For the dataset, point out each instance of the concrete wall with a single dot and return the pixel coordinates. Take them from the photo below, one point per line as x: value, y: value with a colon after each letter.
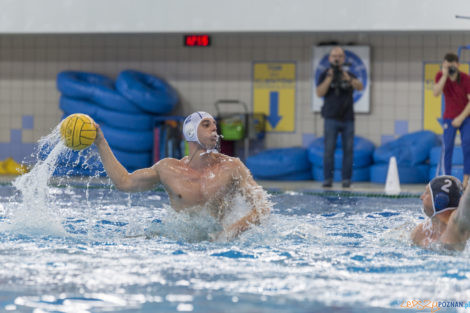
x: 29, y: 65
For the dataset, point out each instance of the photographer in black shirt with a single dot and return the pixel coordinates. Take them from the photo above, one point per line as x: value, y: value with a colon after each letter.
x: 337, y: 85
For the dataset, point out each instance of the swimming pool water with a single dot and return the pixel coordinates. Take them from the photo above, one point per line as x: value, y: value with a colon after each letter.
x: 87, y: 252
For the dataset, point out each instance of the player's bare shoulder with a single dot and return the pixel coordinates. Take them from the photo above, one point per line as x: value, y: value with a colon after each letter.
x: 229, y: 162
x: 233, y: 166
x: 163, y: 163
x: 171, y: 166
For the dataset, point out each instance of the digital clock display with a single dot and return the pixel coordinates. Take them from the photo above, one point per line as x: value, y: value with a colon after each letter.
x: 197, y: 40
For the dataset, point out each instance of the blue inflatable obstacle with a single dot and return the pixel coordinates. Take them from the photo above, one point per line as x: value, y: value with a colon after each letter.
x: 96, y: 88
x: 359, y: 174
x: 435, y: 155
x: 75, y: 163
x: 435, y: 161
x: 128, y: 141
x: 127, y: 128
x: 133, y: 161
x: 457, y: 171
x: 88, y: 163
x: 149, y: 93
x: 410, y: 149
x: 280, y: 164
x: 363, y: 151
x: 116, y: 119
x: 362, y: 158
x: 411, y: 152
x: 408, y: 174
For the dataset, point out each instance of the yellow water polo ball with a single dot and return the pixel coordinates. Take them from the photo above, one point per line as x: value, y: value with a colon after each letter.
x: 78, y: 131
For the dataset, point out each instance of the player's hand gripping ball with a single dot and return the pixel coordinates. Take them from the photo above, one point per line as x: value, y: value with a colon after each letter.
x: 78, y: 131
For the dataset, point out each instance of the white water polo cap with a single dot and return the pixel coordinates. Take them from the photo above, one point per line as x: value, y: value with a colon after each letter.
x: 191, y: 123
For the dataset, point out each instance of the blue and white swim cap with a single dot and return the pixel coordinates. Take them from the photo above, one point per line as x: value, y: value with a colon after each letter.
x: 191, y: 123
x: 445, y: 193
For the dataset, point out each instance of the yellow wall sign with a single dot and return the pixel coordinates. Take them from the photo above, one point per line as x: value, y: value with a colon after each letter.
x: 274, y: 94
x: 434, y: 106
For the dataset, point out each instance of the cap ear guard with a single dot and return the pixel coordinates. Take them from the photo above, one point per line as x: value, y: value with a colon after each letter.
x: 189, y: 131
x: 441, y: 201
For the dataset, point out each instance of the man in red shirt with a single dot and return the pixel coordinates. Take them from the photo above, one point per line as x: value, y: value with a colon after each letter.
x: 456, y: 88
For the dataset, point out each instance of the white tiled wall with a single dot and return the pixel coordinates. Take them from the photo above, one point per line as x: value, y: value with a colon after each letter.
x: 29, y: 65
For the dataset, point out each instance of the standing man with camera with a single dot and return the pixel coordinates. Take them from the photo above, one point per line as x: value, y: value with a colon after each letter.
x: 337, y: 85
x: 456, y: 88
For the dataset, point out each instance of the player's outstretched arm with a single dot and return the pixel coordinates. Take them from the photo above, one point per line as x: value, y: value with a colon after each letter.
x: 140, y: 180
x: 255, y: 197
x: 417, y: 235
x: 458, y: 229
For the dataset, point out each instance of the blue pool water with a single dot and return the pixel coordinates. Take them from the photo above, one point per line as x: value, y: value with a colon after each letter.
x: 315, y: 253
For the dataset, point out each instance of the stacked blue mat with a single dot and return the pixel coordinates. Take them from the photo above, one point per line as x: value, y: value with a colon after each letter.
x: 411, y: 152
x: 287, y: 164
x: 362, y: 159
x: 124, y: 109
x: 435, y: 160
x: 75, y: 163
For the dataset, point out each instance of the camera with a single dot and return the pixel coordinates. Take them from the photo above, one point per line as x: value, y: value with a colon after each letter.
x: 452, y: 70
x: 338, y: 82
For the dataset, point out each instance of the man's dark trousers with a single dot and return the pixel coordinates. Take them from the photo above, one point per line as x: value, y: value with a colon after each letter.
x: 331, y: 129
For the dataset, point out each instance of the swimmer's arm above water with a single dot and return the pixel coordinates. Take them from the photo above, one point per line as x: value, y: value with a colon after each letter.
x: 140, y: 180
x: 255, y: 196
x: 235, y: 229
x: 418, y: 236
x: 458, y: 228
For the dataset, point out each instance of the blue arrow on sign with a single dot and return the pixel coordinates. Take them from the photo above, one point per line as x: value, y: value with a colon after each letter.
x: 273, y: 117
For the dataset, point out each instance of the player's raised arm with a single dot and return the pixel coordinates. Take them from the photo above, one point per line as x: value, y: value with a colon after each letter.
x: 458, y: 229
x: 140, y: 180
x: 255, y: 196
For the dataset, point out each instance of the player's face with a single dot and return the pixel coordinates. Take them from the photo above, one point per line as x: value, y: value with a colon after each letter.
x: 426, y: 199
x: 336, y: 56
x: 207, y: 133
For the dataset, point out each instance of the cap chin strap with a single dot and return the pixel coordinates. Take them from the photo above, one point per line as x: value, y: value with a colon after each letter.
x: 208, y: 150
x: 441, y: 211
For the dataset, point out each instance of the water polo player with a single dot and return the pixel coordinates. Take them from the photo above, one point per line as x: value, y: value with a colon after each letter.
x: 205, y: 179
x: 448, y: 212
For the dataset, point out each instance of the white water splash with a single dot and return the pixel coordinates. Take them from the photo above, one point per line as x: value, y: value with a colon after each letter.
x: 34, y: 214
x: 190, y: 227
x: 198, y: 224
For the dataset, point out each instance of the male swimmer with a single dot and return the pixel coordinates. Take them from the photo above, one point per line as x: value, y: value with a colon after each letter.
x: 204, y: 179
x: 448, y: 212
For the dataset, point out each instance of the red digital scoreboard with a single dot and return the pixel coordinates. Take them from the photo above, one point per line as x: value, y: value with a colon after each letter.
x: 197, y: 40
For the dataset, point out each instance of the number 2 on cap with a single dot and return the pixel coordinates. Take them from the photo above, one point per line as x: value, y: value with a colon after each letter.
x: 446, y: 186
